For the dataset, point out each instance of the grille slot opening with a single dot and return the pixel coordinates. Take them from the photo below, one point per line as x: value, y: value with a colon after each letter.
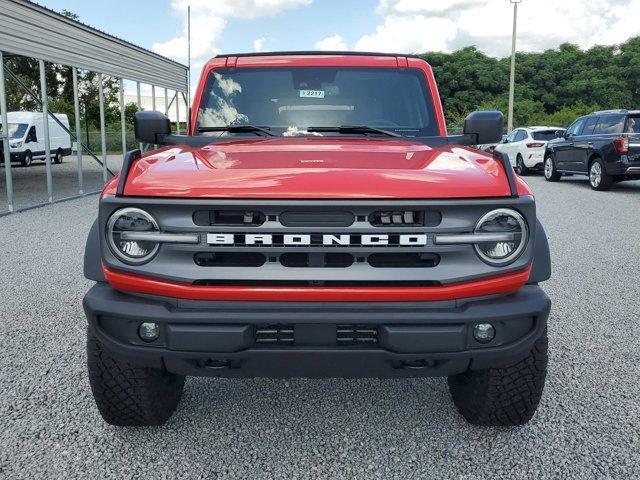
x: 206, y: 218
x: 230, y: 259
x: 316, y: 260
x: 316, y: 219
x: 356, y: 335
x: 274, y: 335
x: 403, y: 260
x: 405, y: 218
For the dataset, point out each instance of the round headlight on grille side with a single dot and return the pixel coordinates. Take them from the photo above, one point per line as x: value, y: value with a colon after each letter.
x: 502, y: 220
x: 132, y: 220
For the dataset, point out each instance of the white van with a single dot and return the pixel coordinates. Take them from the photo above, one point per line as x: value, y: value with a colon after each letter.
x: 26, y: 137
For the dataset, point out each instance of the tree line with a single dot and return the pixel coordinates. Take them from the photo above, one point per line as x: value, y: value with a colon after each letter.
x: 552, y: 87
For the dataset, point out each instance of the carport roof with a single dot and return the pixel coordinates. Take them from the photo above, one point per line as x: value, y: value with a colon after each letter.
x: 32, y: 30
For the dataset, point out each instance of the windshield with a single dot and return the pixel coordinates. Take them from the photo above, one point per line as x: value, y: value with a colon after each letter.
x: 289, y: 100
x: 545, y: 135
x: 16, y: 130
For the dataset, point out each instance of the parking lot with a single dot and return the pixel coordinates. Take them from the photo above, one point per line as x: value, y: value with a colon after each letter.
x: 588, y: 424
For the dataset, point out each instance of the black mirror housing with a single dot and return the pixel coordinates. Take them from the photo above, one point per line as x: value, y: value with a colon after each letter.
x: 486, y: 125
x: 148, y: 125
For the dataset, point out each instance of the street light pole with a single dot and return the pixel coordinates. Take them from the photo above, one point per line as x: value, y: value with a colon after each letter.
x: 512, y: 80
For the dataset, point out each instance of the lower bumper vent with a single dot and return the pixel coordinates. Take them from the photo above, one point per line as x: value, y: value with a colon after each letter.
x: 356, y: 335
x: 274, y: 335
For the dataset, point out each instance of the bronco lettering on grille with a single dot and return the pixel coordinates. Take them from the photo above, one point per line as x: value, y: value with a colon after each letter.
x: 307, y: 239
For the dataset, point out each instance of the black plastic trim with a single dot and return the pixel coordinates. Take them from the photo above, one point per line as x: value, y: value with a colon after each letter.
x: 319, y: 53
x: 197, y: 141
x: 508, y: 170
x: 541, y: 270
x: 129, y: 157
x: 93, y: 255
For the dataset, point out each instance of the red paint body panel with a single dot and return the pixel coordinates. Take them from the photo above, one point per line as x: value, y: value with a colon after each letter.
x: 487, y: 286
x: 317, y: 167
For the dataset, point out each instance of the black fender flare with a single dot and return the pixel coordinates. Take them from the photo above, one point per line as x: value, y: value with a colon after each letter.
x: 541, y: 269
x: 93, y: 255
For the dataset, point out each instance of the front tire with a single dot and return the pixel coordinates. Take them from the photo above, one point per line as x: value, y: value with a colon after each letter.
x: 506, y: 396
x: 521, y: 168
x: 27, y: 159
x: 58, y: 157
x: 599, y: 179
x: 128, y: 395
x: 550, y: 172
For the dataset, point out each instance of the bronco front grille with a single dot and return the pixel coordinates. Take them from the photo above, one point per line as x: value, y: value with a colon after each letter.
x: 311, y: 243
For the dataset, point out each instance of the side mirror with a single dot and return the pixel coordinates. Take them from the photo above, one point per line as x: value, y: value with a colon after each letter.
x: 148, y: 125
x: 487, y: 126
x: 560, y: 133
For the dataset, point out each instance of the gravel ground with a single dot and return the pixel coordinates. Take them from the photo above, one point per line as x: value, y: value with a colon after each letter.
x: 587, y: 426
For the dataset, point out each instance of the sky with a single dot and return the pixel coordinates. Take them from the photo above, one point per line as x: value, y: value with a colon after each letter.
x: 402, y: 26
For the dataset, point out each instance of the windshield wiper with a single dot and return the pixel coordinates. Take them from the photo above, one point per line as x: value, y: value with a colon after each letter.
x: 238, y: 129
x: 354, y: 129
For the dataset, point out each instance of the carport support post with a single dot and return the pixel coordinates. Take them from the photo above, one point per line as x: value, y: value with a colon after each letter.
x: 45, y: 128
x: 76, y: 107
x: 166, y: 102
x: 123, y: 129
x: 5, y: 136
x: 186, y: 102
x: 103, y: 134
x: 153, y: 105
x: 139, y: 99
x: 177, y: 113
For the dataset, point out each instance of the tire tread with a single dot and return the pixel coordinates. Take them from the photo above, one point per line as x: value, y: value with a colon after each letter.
x: 506, y: 396
x: 128, y: 395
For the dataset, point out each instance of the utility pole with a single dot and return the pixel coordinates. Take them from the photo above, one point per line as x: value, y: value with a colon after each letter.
x: 512, y: 79
x: 188, y: 67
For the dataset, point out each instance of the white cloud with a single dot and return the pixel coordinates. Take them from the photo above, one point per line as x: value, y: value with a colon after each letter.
x: 422, y: 25
x: 208, y: 21
x: 432, y: 8
x: 409, y: 34
x: 334, y: 42
x: 258, y: 44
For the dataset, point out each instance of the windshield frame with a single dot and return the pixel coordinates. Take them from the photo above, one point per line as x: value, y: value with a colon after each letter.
x: 427, y: 83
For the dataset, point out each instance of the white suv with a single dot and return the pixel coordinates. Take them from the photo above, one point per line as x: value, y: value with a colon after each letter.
x: 525, y: 147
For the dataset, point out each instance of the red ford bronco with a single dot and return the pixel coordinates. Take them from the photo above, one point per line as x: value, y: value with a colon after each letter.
x: 317, y: 221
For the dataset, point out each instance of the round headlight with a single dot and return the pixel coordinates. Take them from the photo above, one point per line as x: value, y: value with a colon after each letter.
x: 502, y: 220
x: 131, y: 220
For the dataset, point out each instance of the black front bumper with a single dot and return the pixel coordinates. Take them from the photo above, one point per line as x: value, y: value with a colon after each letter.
x: 227, y: 338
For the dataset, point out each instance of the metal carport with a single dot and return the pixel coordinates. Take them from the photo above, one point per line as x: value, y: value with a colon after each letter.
x: 30, y: 30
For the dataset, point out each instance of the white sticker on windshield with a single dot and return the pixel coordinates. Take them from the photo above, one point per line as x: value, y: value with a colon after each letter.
x: 311, y: 93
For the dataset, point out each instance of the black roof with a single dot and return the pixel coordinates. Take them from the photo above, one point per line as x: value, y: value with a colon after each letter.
x: 316, y: 52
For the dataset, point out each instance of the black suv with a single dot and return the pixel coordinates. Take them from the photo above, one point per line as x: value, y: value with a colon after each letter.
x: 604, y: 145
